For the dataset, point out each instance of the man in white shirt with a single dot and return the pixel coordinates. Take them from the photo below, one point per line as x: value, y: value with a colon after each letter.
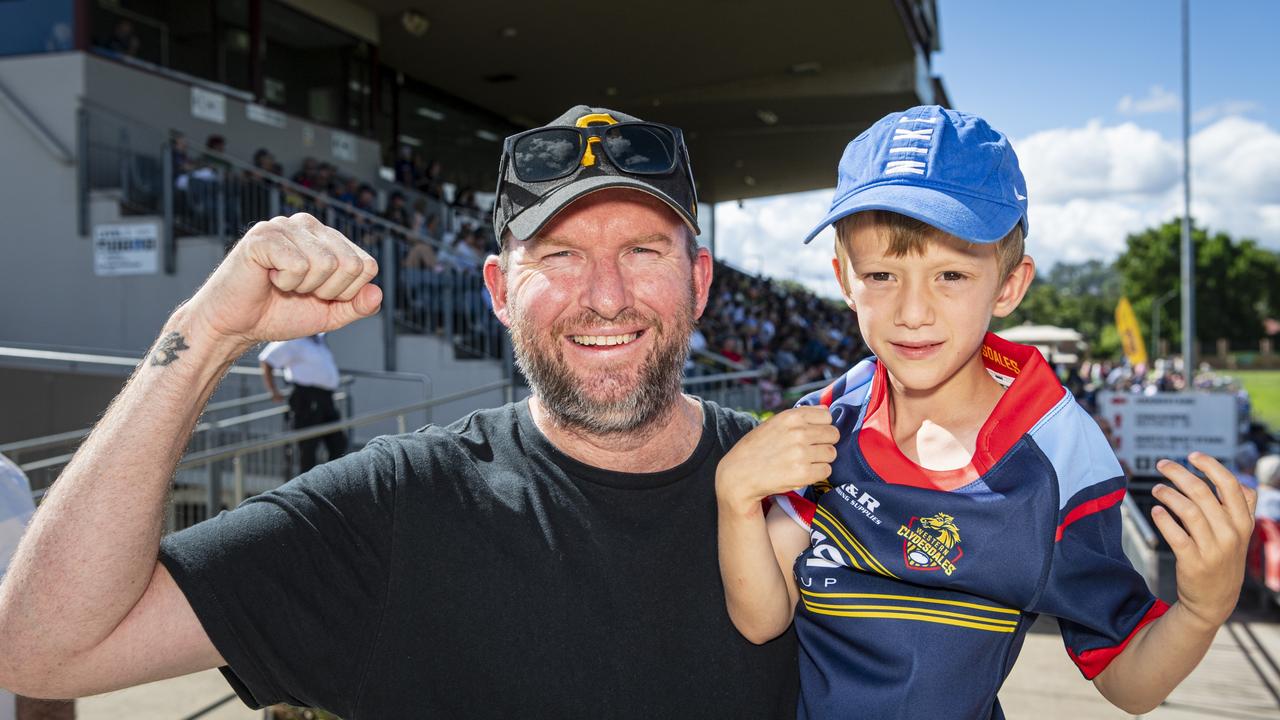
x: 309, y: 366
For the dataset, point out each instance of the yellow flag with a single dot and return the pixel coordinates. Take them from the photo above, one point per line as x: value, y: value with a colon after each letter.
x: 1130, y: 335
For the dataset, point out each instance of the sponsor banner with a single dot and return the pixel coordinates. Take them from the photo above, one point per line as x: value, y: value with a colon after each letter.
x: 208, y: 105
x: 265, y: 115
x: 343, y: 146
x: 126, y: 249
x: 1146, y: 428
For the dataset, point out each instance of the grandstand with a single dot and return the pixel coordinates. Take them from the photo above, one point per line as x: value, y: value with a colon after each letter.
x: 143, y: 136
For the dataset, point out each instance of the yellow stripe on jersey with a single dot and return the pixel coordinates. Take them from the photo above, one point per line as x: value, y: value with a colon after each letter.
x: 914, y: 616
x: 848, y: 555
x: 912, y: 598
x: 900, y: 608
x: 866, y: 554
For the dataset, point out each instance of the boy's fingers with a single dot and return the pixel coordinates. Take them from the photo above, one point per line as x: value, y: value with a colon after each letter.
x: 1177, y: 538
x: 1198, y: 492
x: 1251, y: 502
x: 1187, y: 511
x: 1229, y: 488
x: 816, y: 414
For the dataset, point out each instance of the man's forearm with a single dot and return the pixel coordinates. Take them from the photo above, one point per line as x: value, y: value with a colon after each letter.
x: 1159, y: 656
x: 90, y: 550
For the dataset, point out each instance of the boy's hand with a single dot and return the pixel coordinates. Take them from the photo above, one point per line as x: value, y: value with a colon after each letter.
x: 790, y: 450
x: 1210, y: 544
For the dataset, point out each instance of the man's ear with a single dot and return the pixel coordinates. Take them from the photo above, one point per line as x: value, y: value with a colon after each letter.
x: 703, y: 267
x: 1015, y: 287
x: 844, y: 287
x: 496, y: 281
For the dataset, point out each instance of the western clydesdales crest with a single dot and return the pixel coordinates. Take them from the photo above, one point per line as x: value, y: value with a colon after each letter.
x: 931, y: 543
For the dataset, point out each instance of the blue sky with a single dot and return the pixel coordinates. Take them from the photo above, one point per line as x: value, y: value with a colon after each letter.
x: 1089, y: 93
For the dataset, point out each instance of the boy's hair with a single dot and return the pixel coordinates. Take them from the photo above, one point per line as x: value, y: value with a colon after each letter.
x: 909, y: 236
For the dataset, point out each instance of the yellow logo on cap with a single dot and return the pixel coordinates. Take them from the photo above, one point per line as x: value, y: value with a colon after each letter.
x: 588, y: 157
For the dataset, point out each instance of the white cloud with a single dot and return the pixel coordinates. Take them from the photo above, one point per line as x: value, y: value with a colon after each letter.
x: 1225, y: 108
x: 1089, y: 187
x: 1157, y: 100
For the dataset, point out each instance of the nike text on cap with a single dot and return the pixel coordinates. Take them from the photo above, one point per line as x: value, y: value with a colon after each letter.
x: 949, y: 169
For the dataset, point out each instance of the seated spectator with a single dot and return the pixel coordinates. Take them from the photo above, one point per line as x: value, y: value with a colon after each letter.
x: 264, y: 161
x: 180, y: 155
x: 1246, y: 464
x: 397, y: 211
x: 306, y: 175
x: 406, y: 171
x: 366, y: 199
x: 431, y: 182
x: 124, y: 40
x: 1268, y: 470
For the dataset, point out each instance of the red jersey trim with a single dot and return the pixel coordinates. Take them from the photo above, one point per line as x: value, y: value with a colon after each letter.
x: 1093, y: 662
x: 1034, y: 391
x: 1088, y: 508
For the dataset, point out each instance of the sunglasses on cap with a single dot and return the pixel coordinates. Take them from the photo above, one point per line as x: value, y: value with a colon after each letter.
x: 635, y: 148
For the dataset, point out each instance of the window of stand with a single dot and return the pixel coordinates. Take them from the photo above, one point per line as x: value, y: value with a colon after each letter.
x: 208, y: 39
x: 316, y: 71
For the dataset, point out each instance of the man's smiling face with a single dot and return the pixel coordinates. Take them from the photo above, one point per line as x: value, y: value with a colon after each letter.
x: 600, y: 305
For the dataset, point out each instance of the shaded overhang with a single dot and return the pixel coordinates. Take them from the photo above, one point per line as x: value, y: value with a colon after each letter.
x: 768, y: 93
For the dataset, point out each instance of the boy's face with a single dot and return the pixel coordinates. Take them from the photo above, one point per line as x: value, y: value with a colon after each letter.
x: 925, y: 316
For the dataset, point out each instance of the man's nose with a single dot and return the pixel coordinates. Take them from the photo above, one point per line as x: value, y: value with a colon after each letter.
x: 915, y: 306
x: 608, y: 290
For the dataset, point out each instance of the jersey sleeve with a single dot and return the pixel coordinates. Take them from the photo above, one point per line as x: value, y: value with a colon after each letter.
x: 1100, y: 600
x: 290, y: 586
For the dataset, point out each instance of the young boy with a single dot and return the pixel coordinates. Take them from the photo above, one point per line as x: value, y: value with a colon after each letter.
x: 968, y: 492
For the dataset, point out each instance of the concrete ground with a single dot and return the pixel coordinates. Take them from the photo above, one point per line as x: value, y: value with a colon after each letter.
x: 1238, y: 680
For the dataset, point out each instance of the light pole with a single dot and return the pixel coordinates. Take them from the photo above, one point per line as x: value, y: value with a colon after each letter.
x: 1155, y: 321
x: 1188, y: 260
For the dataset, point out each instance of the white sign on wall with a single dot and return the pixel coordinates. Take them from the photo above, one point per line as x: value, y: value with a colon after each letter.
x: 343, y: 146
x: 208, y: 105
x: 265, y: 115
x: 126, y: 249
x: 1171, y: 425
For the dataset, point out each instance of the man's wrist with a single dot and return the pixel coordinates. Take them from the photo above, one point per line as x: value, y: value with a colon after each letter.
x: 187, y: 328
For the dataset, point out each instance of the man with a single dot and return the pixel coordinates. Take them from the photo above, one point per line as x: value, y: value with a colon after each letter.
x: 551, y: 558
x: 15, y: 510
x: 309, y: 365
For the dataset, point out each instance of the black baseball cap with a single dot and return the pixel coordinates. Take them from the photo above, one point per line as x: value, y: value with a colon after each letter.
x: 524, y: 207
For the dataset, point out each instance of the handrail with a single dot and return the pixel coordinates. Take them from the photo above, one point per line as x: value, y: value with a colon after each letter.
x: 324, y: 198
x: 737, y: 375
x: 204, y: 457
x: 808, y: 387
x: 94, y: 359
x: 1135, y: 515
x: 718, y: 358
x: 35, y: 127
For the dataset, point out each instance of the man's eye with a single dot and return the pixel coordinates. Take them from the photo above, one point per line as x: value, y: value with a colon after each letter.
x: 641, y: 250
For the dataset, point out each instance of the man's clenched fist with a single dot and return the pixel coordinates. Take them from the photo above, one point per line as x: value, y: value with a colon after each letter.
x: 288, y: 277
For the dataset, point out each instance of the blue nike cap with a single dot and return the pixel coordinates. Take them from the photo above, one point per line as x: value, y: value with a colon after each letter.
x: 946, y: 168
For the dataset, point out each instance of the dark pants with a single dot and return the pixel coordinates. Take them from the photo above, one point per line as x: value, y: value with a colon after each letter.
x: 314, y: 406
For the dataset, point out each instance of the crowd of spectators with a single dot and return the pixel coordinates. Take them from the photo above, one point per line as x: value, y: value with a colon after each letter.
x: 795, y: 337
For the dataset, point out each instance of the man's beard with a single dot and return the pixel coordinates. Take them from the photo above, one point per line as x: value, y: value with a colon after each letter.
x: 604, y: 403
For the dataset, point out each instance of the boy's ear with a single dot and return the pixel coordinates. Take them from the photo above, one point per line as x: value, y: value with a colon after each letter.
x: 1015, y: 287
x: 844, y: 287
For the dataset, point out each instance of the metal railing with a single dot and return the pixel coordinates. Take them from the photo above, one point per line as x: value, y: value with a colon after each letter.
x: 235, y: 420
x: 739, y: 389
x: 1140, y: 543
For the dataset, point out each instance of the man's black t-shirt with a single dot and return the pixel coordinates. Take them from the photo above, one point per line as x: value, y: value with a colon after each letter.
x: 476, y: 571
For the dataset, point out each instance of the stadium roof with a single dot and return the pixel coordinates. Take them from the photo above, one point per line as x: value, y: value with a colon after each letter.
x: 768, y: 93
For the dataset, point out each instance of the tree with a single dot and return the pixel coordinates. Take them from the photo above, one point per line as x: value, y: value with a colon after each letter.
x: 1237, y: 284
x: 1080, y: 296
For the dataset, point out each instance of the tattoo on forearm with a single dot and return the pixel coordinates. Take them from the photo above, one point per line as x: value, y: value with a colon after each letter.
x: 167, y: 351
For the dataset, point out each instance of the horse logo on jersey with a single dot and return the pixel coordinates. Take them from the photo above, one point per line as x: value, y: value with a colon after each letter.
x: 930, y: 543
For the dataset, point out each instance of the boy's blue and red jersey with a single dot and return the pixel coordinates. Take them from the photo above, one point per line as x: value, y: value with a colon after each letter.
x: 918, y: 586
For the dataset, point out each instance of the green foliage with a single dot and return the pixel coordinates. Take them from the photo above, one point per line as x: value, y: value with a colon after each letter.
x: 1080, y: 296
x: 1237, y: 283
